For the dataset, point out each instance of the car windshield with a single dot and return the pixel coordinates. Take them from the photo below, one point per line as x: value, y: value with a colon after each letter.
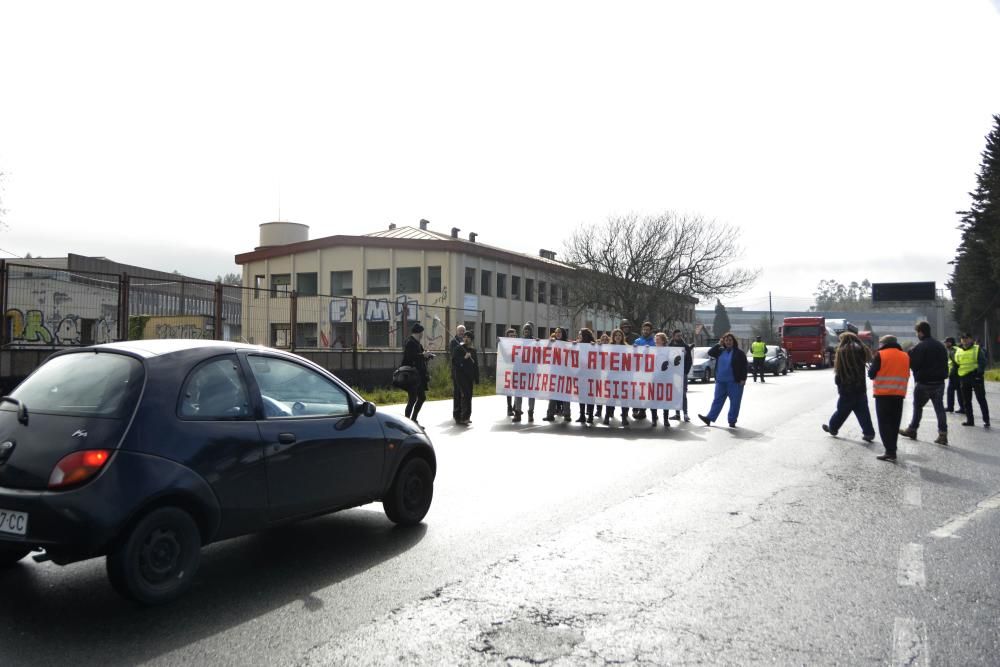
x: 772, y: 351
x: 700, y: 353
x: 85, y: 383
x: 804, y: 330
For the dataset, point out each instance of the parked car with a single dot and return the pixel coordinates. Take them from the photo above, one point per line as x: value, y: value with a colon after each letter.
x: 702, y: 365
x: 146, y: 451
x: 776, y: 360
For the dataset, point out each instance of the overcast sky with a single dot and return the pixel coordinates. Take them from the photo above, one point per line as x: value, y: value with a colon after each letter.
x: 838, y: 139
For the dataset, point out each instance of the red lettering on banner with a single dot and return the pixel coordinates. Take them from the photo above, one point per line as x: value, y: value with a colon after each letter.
x: 547, y: 356
x: 514, y: 349
x: 616, y: 361
x: 625, y: 363
x: 557, y: 355
x: 651, y: 363
x: 574, y: 358
x: 592, y: 360
x: 670, y: 391
x: 506, y: 380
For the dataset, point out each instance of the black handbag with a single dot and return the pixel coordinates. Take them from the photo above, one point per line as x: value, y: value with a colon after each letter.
x: 405, y: 377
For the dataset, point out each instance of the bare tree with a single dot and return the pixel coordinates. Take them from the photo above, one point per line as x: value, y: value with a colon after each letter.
x: 651, y: 267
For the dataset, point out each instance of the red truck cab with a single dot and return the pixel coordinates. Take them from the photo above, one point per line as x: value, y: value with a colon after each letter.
x: 806, y: 339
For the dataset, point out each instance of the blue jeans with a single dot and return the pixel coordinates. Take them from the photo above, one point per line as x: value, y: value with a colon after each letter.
x: 858, y: 404
x: 723, y: 390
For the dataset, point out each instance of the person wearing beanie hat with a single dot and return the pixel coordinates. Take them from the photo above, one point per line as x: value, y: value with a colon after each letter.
x: 890, y: 374
x: 415, y: 356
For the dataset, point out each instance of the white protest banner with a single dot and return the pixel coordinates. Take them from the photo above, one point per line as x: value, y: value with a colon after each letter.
x: 620, y: 375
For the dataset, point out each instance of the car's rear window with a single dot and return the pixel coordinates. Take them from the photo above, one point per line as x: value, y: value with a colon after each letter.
x: 85, y: 383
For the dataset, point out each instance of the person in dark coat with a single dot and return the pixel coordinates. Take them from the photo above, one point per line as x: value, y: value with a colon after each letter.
x: 678, y: 341
x: 557, y: 408
x: 953, y: 389
x: 466, y: 364
x: 456, y: 393
x: 849, y: 374
x: 528, y: 333
x: 586, y: 336
x: 929, y: 363
x: 510, y: 333
x: 415, y: 355
x: 730, y: 379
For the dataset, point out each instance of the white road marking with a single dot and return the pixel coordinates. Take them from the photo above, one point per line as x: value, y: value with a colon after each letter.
x: 913, y: 496
x: 911, y: 566
x: 957, y: 523
x: 909, y: 643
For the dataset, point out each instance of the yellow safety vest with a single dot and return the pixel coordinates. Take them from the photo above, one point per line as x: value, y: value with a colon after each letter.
x: 893, y: 373
x: 967, y: 360
x: 758, y: 350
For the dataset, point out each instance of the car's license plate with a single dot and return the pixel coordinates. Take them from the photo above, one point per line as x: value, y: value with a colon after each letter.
x: 15, y: 523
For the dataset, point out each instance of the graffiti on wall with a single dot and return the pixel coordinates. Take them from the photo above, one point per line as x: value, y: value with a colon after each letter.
x: 31, y: 327
x: 376, y: 310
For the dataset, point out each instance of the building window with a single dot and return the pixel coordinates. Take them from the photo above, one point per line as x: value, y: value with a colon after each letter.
x: 502, y: 285
x: 529, y: 289
x: 434, y: 279
x: 515, y: 287
x: 541, y: 291
x: 305, y: 334
x: 378, y: 334
x: 471, y: 326
x: 502, y: 331
x: 341, y: 283
x: 542, y: 333
x: 306, y: 284
x: 565, y: 295
x: 408, y: 280
x: 554, y: 296
x: 279, y: 334
x: 258, y: 284
x: 378, y: 282
x: 470, y: 281
x: 486, y: 283
x: 340, y: 336
x: 281, y: 284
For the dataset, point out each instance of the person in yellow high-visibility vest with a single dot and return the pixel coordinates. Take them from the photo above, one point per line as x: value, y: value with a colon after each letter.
x: 971, y: 362
x: 890, y: 374
x: 758, y: 350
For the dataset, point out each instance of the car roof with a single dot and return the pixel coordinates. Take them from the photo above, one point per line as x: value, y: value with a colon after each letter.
x: 162, y: 346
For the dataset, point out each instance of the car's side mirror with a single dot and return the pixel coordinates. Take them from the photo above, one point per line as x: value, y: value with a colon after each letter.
x: 368, y: 409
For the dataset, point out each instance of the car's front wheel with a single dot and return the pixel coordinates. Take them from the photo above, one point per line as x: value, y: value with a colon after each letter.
x: 11, y: 554
x: 411, y: 493
x: 157, y: 560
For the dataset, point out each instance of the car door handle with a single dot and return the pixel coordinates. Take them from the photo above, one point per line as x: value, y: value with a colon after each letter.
x: 286, y: 438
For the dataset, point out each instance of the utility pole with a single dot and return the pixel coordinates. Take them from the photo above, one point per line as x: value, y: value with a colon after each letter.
x: 770, y: 313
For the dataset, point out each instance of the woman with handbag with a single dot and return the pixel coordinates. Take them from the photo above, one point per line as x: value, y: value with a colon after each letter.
x: 415, y: 357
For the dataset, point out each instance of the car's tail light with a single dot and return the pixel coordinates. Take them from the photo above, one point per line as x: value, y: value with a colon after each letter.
x: 78, y: 467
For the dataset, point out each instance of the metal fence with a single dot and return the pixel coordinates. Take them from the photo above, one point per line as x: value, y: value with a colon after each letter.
x: 54, y: 307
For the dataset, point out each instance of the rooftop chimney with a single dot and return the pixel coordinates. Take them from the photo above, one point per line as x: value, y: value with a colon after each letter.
x: 424, y: 223
x: 454, y: 232
x: 472, y: 236
x: 392, y: 225
x: 547, y: 254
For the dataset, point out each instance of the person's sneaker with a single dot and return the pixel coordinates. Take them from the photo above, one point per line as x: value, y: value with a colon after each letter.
x: 607, y: 421
x: 548, y: 418
x: 510, y: 412
x: 531, y: 415
x: 868, y: 438
x: 590, y: 419
x: 910, y: 433
x: 581, y: 419
x: 686, y: 418
x: 624, y: 420
x: 567, y: 418
x: 708, y: 422
x: 732, y: 424
x: 886, y: 457
x: 517, y: 418
x: 826, y: 427
x: 968, y: 423
x: 676, y: 417
x: 942, y: 438
x: 986, y: 426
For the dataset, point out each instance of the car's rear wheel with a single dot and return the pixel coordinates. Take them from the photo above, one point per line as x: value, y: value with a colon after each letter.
x: 157, y: 560
x: 411, y: 493
x: 11, y: 554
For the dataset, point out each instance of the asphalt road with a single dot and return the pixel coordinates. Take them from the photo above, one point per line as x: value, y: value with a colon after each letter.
x: 565, y: 544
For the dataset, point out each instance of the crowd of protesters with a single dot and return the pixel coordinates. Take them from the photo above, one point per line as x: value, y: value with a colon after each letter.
x: 946, y: 375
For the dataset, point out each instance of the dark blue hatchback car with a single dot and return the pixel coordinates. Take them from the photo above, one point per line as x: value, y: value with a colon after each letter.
x: 146, y: 451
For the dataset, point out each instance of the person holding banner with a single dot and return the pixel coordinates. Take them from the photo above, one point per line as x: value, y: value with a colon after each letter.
x: 467, y: 375
x: 617, y: 338
x: 647, y: 340
x: 730, y: 378
x: 678, y: 341
x: 510, y: 333
x: 605, y: 339
x: 586, y: 336
x: 557, y: 408
x: 661, y: 341
x: 528, y: 332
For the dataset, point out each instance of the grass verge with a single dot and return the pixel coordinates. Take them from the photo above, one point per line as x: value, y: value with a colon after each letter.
x: 440, y: 387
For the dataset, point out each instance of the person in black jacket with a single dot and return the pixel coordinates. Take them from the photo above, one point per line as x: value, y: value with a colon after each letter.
x: 952, y: 389
x: 849, y: 374
x: 678, y: 341
x: 456, y: 393
x: 586, y: 336
x: 414, y: 355
x: 730, y: 378
x: 466, y: 365
x: 929, y: 363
